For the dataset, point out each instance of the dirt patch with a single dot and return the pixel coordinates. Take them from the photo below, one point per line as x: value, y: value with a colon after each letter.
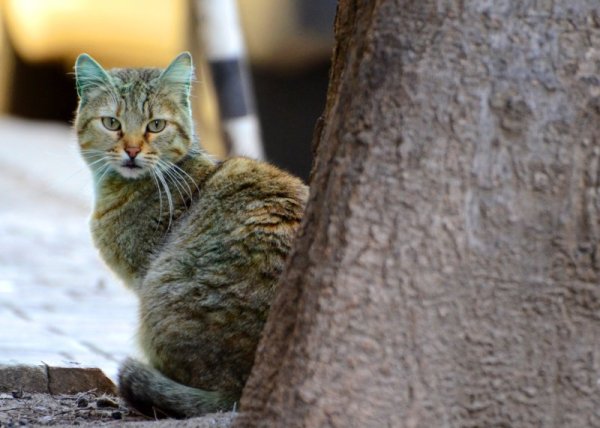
x: 20, y: 409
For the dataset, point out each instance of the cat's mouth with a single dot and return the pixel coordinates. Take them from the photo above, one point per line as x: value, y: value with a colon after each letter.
x: 131, y: 168
x: 131, y: 164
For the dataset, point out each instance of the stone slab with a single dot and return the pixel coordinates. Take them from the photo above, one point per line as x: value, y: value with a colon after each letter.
x: 54, y: 380
x: 23, y: 377
x: 71, y: 380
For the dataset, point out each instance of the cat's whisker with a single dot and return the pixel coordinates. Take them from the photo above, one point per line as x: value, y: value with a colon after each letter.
x: 161, y: 178
x: 169, y: 176
x: 104, y: 158
x: 93, y: 156
x: 184, y: 176
x: 176, y: 178
x: 180, y: 171
x: 176, y: 182
x: 160, y: 209
x: 104, y: 172
x: 92, y: 153
x: 86, y: 153
x: 79, y: 170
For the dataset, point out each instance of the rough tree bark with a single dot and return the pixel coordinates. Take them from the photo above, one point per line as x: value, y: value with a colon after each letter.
x: 447, y: 273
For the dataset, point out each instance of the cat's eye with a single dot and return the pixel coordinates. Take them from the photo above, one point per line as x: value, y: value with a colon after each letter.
x: 111, y: 123
x: 156, y: 125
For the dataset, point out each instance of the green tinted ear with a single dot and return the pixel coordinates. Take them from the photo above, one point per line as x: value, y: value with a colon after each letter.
x: 180, y: 72
x: 89, y: 74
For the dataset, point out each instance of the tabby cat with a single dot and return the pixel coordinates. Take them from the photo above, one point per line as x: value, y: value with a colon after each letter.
x: 201, y: 243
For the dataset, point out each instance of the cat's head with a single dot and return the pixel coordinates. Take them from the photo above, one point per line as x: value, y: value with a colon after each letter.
x: 133, y: 120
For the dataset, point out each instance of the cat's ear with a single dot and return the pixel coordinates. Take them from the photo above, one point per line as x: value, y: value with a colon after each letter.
x: 89, y: 74
x: 180, y: 72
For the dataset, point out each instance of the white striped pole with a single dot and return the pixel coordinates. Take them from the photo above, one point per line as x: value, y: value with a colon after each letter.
x: 222, y: 42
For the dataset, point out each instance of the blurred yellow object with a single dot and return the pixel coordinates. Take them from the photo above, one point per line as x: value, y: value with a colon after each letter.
x: 117, y: 32
x: 5, y: 65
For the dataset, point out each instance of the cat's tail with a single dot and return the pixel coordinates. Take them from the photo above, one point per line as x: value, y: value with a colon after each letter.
x: 150, y: 392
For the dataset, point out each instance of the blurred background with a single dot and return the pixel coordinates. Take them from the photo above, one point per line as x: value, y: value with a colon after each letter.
x: 288, y: 45
x: 58, y: 303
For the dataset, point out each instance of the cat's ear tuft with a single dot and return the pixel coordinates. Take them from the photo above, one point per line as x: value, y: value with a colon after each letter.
x: 180, y: 72
x: 89, y: 74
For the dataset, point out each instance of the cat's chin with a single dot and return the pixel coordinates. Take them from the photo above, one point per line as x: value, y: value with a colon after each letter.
x: 131, y: 173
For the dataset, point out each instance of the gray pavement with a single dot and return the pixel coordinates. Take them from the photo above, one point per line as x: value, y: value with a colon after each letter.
x: 58, y: 303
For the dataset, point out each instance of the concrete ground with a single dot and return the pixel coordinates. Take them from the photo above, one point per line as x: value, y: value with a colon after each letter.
x: 58, y: 303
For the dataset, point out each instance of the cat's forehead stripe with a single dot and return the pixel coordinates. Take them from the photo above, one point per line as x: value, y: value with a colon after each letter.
x: 120, y: 106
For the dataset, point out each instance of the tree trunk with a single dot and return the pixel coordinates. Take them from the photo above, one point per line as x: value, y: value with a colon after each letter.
x: 447, y: 272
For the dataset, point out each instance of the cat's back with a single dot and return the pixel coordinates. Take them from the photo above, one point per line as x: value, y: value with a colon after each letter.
x: 243, y: 184
x: 245, y: 216
x: 249, y: 206
x: 215, y: 278
x: 245, y: 207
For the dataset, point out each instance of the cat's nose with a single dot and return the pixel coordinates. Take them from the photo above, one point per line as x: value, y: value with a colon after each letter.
x: 132, y: 151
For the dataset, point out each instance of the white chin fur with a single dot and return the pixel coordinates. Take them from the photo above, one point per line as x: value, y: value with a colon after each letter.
x: 131, y: 172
